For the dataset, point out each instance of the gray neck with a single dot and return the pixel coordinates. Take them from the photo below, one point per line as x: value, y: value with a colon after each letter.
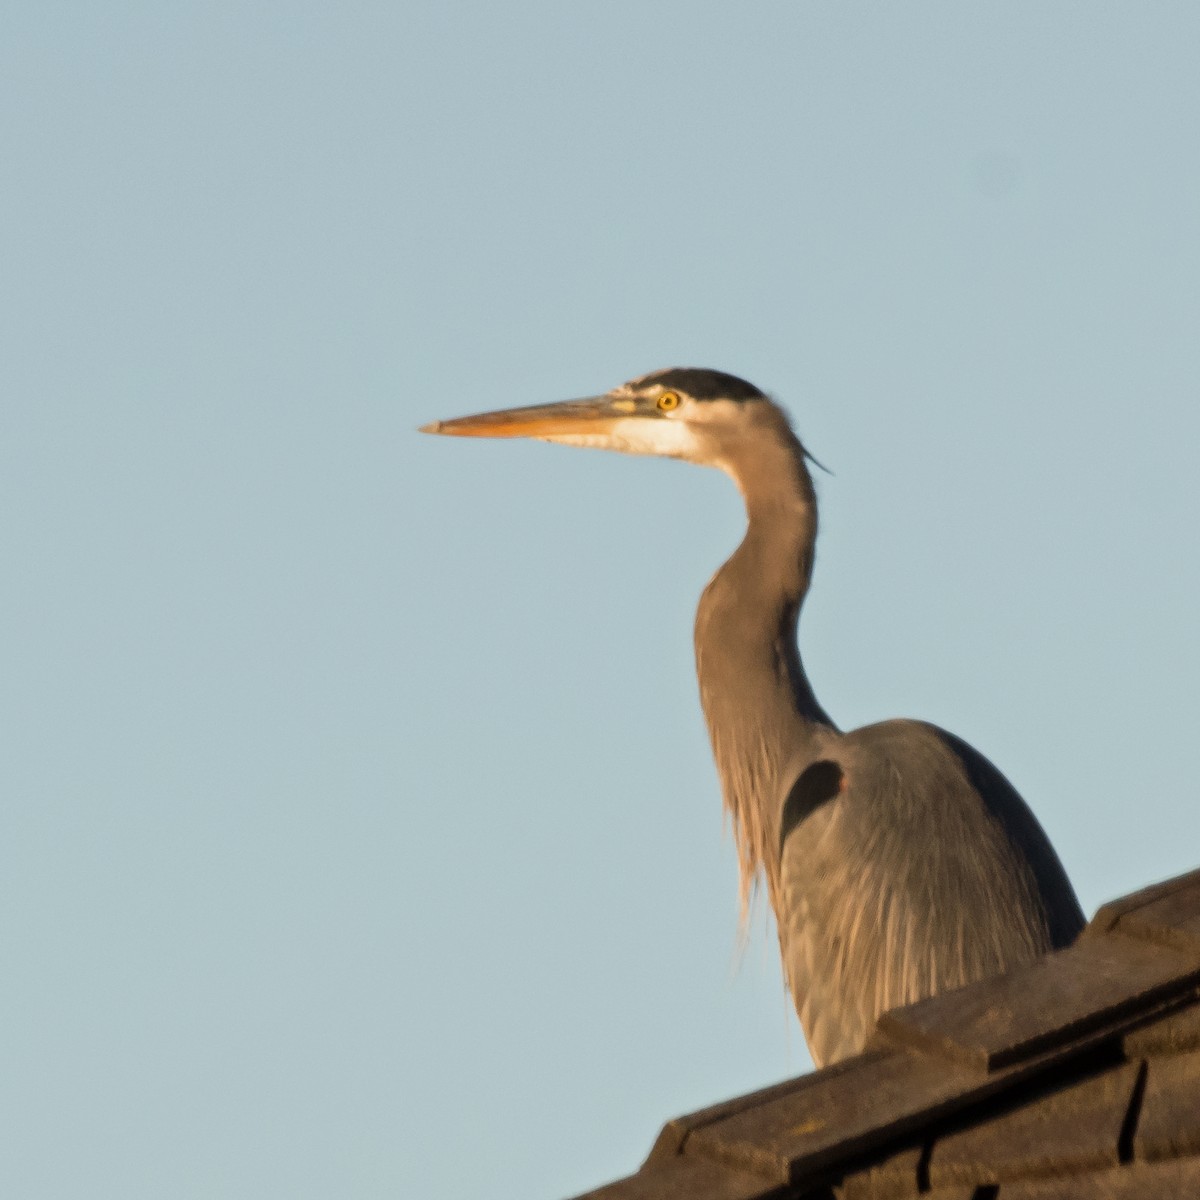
x: 763, y: 718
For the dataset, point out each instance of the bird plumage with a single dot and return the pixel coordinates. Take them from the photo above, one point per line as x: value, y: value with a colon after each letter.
x: 898, y: 861
x: 891, y: 892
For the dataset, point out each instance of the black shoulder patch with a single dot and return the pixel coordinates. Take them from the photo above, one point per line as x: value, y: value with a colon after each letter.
x: 703, y: 384
x: 817, y: 784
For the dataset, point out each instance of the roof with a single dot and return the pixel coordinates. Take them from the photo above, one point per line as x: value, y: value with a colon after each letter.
x: 1077, y: 1075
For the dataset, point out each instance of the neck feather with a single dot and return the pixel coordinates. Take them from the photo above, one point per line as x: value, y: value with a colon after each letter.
x: 763, y: 718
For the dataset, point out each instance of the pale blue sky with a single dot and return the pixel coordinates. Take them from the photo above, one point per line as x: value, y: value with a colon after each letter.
x: 359, y: 833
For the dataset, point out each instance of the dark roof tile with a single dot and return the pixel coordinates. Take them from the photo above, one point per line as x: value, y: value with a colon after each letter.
x: 1178, y: 1180
x: 834, y: 1117
x: 1169, y: 1124
x: 1172, y: 1033
x: 675, y: 1132
x: 1077, y: 1127
x: 895, y: 1178
x: 1167, y: 913
x: 1062, y: 996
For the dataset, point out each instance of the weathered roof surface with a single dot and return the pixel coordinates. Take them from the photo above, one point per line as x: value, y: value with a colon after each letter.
x: 1078, y: 1075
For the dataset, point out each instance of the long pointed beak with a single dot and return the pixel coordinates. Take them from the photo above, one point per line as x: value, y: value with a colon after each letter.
x: 569, y: 418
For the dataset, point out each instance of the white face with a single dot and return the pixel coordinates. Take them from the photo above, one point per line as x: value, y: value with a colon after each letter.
x: 665, y: 438
x: 675, y: 432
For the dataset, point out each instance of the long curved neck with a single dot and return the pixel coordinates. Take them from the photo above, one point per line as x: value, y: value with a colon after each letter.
x: 763, y: 718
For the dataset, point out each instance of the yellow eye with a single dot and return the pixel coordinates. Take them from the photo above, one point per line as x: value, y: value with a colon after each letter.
x: 668, y: 400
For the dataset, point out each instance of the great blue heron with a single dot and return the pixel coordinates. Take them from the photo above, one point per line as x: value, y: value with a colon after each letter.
x: 899, y: 862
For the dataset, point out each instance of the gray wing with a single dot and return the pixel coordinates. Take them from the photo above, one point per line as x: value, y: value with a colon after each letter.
x: 909, y: 866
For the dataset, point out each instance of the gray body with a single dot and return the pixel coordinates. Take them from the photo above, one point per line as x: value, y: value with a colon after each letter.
x: 898, y: 861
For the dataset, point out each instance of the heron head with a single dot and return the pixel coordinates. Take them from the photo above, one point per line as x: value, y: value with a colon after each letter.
x: 680, y: 412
